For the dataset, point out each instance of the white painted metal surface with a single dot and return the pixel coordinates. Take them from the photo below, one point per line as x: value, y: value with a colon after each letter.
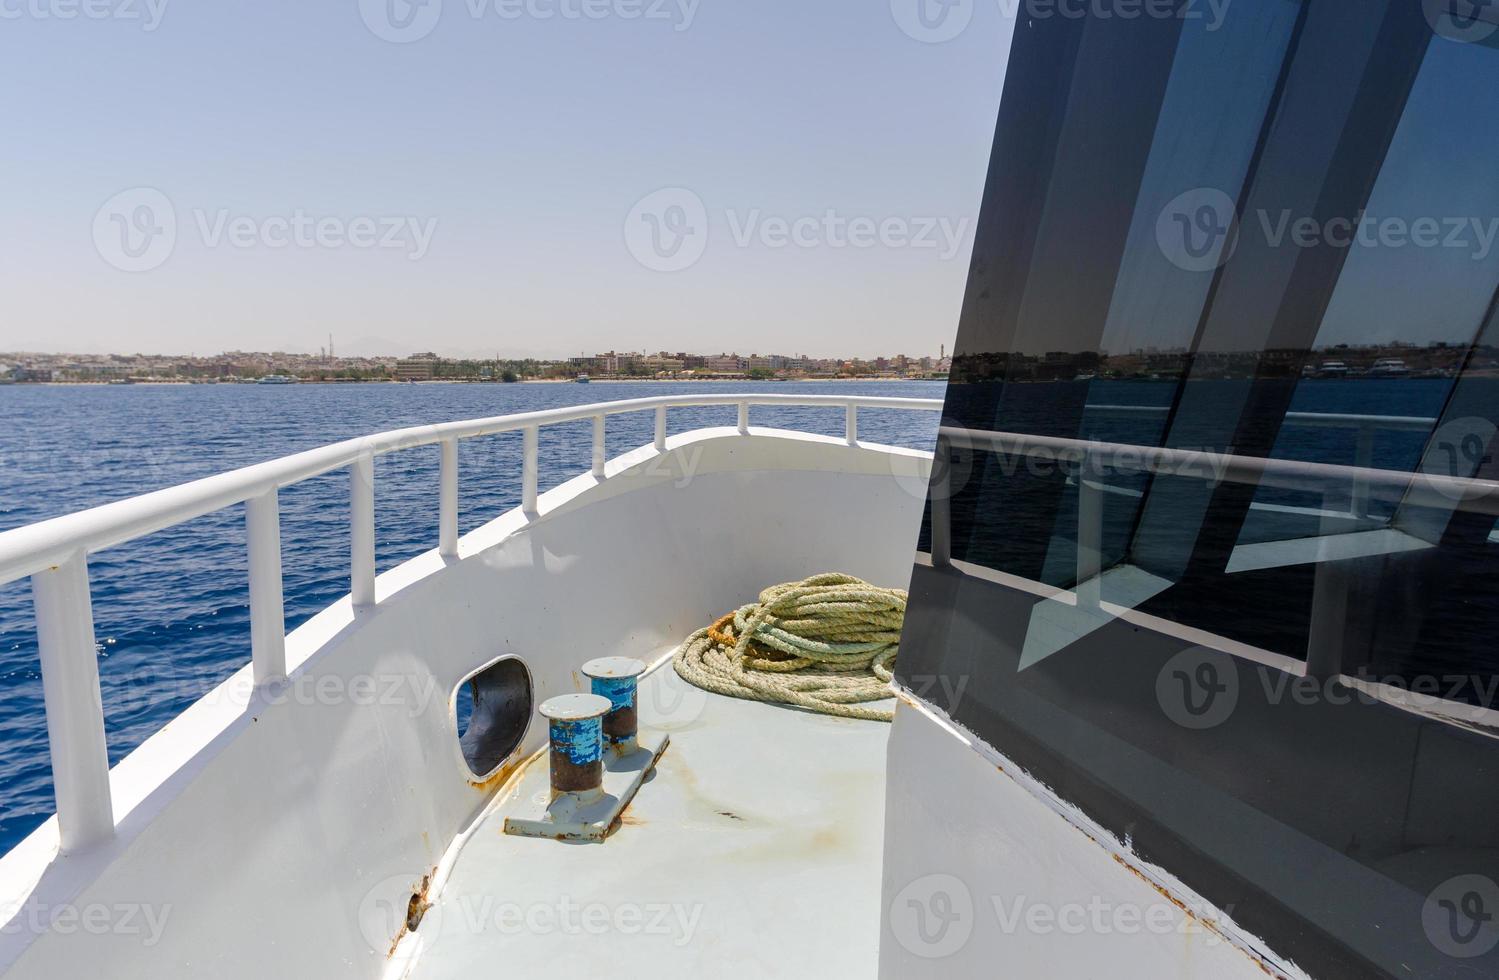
x: 753, y: 852
x: 75, y: 710
x: 261, y: 822
x: 986, y: 874
x: 267, y: 605
x: 38, y: 547
x: 279, y: 823
x: 362, y: 530
x: 447, y: 507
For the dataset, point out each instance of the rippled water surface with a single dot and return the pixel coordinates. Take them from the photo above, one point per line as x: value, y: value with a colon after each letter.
x: 171, y: 609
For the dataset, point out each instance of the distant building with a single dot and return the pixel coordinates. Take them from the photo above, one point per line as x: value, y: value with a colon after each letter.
x: 662, y: 362
x: 612, y: 362
x: 417, y: 367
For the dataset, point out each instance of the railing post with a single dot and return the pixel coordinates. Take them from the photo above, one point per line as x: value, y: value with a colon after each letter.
x: 267, y: 610
x: 447, y: 502
x: 1330, y: 595
x: 1089, y: 589
x: 528, y: 472
x: 851, y: 424
x: 744, y: 418
x: 75, y: 708
x: 660, y: 428
x: 598, y: 446
x: 1363, y: 458
x: 362, y: 530
x: 941, y: 498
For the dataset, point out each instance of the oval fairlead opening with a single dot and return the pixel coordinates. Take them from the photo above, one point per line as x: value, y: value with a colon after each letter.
x: 494, y: 708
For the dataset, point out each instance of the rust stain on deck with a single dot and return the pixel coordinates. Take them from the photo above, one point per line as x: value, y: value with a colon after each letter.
x: 502, y: 775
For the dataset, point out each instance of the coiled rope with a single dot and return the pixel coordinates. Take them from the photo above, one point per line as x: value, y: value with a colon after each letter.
x: 826, y: 643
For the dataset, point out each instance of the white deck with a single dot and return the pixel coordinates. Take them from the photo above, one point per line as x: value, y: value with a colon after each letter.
x: 754, y: 851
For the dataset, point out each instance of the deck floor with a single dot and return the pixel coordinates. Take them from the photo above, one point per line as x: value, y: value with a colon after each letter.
x: 753, y: 851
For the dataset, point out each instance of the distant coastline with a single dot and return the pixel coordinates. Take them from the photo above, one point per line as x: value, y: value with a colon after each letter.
x: 170, y: 383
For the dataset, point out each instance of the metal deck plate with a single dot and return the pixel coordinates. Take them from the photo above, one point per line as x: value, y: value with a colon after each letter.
x: 530, y: 811
x: 753, y: 850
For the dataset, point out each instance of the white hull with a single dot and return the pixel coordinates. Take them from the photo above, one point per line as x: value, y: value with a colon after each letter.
x: 260, y: 822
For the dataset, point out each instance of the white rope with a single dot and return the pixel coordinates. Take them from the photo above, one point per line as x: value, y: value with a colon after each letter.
x: 826, y: 643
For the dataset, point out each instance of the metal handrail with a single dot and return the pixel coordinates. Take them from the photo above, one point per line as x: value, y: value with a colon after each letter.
x: 1431, y: 489
x: 55, y: 554
x: 1313, y: 420
x: 1428, y: 489
x: 1330, y: 591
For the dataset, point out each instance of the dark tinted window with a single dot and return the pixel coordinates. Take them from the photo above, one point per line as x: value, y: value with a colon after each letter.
x: 1266, y: 655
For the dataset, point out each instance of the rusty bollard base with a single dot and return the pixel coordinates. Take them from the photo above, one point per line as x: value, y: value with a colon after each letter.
x: 536, y: 810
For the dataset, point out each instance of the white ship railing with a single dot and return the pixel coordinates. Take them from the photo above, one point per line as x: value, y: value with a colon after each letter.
x: 54, y: 553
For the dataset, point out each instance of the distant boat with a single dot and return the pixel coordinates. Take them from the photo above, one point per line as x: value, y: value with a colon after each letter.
x: 277, y: 379
x: 1332, y: 369
x: 1389, y: 367
x: 581, y: 379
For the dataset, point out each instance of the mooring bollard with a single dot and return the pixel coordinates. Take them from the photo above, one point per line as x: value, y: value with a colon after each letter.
x: 616, y: 678
x: 577, y: 738
x: 586, y: 794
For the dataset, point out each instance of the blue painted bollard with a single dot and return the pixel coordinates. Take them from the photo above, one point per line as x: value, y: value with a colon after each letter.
x: 616, y: 678
x: 577, y: 739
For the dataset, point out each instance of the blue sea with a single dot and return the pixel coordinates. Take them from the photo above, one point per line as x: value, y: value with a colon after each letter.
x: 170, y: 610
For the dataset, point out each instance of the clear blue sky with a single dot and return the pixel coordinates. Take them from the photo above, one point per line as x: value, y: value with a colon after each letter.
x: 526, y: 139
